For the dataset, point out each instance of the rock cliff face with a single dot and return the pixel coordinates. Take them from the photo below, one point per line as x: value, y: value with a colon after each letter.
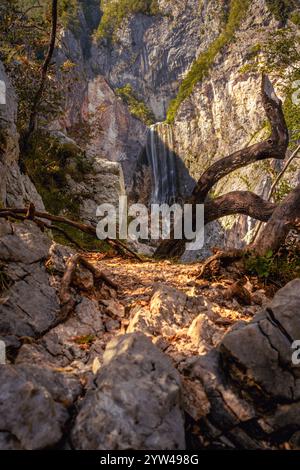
x: 149, y: 357
x: 153, y: 54
x: 16, y: 188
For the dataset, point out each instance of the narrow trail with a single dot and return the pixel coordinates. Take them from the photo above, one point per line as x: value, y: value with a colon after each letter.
x: 153, y: 290
x: 137, y: 281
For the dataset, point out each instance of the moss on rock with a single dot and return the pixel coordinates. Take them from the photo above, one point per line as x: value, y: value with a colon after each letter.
x: 201, y: 66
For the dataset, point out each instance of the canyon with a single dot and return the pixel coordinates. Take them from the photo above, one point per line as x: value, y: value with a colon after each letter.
x: 150, y: 56
x: 140, y: 353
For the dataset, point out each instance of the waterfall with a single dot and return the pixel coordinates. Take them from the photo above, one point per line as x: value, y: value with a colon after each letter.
x: 161, y: 158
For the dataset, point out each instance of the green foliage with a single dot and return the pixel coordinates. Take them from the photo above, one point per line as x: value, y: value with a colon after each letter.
x: 202, y: 65
x: 24, y: 37
x: 295, y: 18
x: 280, y: 9
x: 260, y: 265
x: 280, y: 268
x: 136, y: 107
x: 115, y: 11
x: 48, y: 163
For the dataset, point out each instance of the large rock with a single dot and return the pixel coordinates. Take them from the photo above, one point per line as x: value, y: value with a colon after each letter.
x: 169, y: 310
x: 251, y: 384
x: 136, y: 402
x: 29, y: 415
x: 16, y: 189
x: 259, y: 355
x: 30, y: 305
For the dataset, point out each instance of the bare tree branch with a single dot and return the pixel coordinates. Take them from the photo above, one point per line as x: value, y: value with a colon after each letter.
x: 89, y: 229
x: 284, y: 217
x: 274, y: 185
x: 44, y: 69
x: 238, y: 202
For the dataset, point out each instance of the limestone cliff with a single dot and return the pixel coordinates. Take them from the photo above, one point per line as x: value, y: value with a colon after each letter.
x: 16, y: 188
x: 152, y: 54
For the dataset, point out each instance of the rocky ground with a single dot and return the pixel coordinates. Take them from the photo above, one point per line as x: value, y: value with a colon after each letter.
x: 163, y: 361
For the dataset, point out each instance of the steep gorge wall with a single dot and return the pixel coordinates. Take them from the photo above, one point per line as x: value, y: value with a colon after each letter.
x: 16, y: 188
x: 153, y: 54
x: 224, y: 114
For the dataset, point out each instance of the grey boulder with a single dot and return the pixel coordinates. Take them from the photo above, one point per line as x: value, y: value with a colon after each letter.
x: 136, y: 402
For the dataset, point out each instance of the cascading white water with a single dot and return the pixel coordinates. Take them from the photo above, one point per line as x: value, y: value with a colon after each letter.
x: 160, y: 155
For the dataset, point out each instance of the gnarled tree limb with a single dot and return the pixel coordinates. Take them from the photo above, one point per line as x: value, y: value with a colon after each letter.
x: 274, y: 147
x: 244, y: 202
x: 44, y: 69
x: 238, y: 202
x: 283, y: 219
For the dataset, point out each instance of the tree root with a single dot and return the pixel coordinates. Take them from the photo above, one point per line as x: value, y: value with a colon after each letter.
x: 221, y: 256
x: 65, y: 296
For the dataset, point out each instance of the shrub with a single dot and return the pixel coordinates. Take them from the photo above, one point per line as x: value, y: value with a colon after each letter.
x: 136, y: 107
x: 277, y: 268
x: 68, y: 14
x: 48, y: 163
